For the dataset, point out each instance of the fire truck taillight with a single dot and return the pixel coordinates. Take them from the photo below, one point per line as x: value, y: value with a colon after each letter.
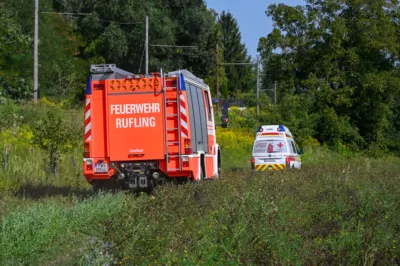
x: 170, y: 83
x: 86, y: 151
x: 188, y: 147
x: 185, y: 161
x: 89, y: 165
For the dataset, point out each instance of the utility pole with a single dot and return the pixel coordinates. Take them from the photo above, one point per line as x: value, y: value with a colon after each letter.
x: 275, y: 93
x: 258, y: 85
x: 147, y: 45
x: 216, y: 77
x: 35, y: 54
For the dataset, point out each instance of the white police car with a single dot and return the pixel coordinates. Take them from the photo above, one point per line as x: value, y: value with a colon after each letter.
x: 274, y: 149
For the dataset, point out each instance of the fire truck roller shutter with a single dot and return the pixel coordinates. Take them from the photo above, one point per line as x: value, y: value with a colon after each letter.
x: 203, y: 119
x: 198, y: 123
x: 191, y: 118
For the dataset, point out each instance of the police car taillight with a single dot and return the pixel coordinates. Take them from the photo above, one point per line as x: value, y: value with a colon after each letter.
x: 188, y: 147
x: 288, y: 160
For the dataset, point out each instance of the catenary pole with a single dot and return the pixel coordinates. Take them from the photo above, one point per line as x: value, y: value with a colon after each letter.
x: 35, y: 54
x: 147, y: 45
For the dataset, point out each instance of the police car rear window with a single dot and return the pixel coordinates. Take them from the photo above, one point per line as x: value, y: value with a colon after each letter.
x: 269, y: 146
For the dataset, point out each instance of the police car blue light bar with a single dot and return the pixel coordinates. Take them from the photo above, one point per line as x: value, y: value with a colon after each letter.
x: 281, y: 128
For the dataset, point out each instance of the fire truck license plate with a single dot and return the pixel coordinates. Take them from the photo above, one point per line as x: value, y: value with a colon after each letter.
x: 101, y: 168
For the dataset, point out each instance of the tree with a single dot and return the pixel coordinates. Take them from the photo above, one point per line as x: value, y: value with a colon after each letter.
x: 116, y: 33
x: 214, y: 40
x: 240, y: 78
x: 52, y: 134
x: 57, y: 47
x: 343, y: 55
x: 14, y: 57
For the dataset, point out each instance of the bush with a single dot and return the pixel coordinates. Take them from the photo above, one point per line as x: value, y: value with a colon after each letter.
x: 34, y: 137
x: 236, y: 147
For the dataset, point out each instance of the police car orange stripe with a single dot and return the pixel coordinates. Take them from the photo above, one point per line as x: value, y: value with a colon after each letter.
x: 263, y: 167
x: 270, y: 134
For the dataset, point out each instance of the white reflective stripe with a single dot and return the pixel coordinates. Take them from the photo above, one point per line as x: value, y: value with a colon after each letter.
x: 89, y: 138
x: 183, y: 134
x: 87, y: 101
x: 211, y: 132
x: 87, y: 115
x: 88, y: 127
x: 184, y: 124
x: 182, y: 97
x: 183, y: 111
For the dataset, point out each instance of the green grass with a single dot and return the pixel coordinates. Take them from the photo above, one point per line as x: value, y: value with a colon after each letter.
x: 336, y: 210
x: 345, y: 213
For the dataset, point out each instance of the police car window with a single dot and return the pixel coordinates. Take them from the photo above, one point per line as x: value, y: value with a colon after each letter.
x: 291, y: 149
x: 269, y: 146
x: 293, y: 146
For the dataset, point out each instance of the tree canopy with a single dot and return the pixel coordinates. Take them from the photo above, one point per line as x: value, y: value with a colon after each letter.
x: 342, y: 56
x: 240, y: 78
x: 336, y: 63
x: 85, y: 32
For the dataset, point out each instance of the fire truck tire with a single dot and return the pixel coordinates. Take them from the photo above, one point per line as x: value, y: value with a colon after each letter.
x: 97, y: 187
x: 219, y: 163
x: 104, y: 185
x: 201, y: 173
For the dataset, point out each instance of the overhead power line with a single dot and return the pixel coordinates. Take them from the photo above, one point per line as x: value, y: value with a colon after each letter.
x: 90, y: 14
x: 238, y: 63
x: 174, y: 46
x: 66, y: 13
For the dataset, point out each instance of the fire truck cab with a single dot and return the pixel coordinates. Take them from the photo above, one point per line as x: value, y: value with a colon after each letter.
x: 143, y: 130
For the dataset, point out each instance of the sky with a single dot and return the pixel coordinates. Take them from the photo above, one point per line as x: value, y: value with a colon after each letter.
x: 251, y: 17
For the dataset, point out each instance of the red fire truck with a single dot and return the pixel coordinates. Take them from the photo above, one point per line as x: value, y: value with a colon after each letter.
x: 141, y: 130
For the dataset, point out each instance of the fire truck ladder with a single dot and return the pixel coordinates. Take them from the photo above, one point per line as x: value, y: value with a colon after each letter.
x: 172, y: 134
x: 109, y: 69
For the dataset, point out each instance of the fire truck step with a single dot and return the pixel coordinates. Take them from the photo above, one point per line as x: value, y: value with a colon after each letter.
x: 174, y: 169
x: 170, y: 88
x: 173, y: 142
x: 171, y: 101
x: 172, y: 129
x: 172, y: 115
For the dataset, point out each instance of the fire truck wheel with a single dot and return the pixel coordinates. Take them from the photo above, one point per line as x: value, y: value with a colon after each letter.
x: 201, y: 174
x: 105, y: 186
x: 97, y: 187
x: 219, y: 164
